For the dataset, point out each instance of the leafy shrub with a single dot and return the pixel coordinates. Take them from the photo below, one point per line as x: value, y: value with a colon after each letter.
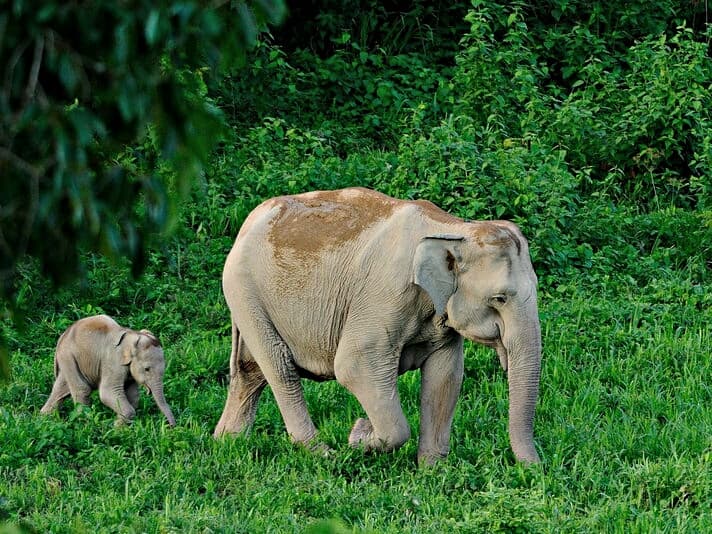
x: 633, y: 117
x: 81, y: 82
x: 361, y: 95
x: 397, y: 27
x: 644, y: 130
x: 499, y: 74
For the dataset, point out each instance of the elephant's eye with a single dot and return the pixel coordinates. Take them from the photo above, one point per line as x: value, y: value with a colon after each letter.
x: 147, y: 369
x: 498, y: 300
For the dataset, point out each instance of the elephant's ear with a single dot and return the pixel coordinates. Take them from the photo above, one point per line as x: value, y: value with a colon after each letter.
x: 127, y: 348
x: 435, y: 267
x: 152, y: 338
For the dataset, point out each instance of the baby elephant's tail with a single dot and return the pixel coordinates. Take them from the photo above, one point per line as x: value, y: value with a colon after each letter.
x: 56, y: 350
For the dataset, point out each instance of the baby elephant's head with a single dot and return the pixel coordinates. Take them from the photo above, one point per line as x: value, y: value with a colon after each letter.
x: 144, y: 356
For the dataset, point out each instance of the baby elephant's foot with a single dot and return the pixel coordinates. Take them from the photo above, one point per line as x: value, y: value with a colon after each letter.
x: 319, y: 448
x: 122, y: 421
x: 361, y: 432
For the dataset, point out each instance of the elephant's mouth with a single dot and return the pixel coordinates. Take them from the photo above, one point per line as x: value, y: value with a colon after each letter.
x: 496, y: 344
x: 501, y: 350
x: 487, y: 342
x: 503, y: 355
x: 494, y: 341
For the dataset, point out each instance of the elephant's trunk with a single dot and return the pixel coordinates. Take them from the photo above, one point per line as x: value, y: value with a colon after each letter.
x: 523, y: 345
x: 157, y: 393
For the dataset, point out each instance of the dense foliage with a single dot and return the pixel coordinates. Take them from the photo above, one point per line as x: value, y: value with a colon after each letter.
x: 587, y: 123
x: 82, y: 81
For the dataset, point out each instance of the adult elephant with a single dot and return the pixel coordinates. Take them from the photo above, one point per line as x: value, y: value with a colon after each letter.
x: 360, y: 287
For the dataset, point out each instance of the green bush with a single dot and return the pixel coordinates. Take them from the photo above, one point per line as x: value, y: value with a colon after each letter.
x: 644, y: 131
x: 82, y: 82
x: 357, y: 97
x: 633, y: 116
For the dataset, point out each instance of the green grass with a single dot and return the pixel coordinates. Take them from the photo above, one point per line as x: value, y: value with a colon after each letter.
x: 623, y: 427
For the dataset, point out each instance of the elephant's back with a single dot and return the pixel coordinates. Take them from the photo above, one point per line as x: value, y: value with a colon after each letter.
x: 308, y: 226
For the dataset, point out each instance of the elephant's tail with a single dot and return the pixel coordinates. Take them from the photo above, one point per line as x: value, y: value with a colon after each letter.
x: 234, y: 351
x: 56, y: 350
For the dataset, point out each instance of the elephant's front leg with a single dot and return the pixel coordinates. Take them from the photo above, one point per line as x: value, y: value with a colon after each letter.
x: 114, y: 396
x: 441, y: 379
x: 370, y: 371
x: 132, y: 393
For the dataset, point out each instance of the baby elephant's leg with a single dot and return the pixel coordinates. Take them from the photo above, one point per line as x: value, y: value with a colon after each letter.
x: 79, y: 388
x: 132, y: 394
x: 115, y: 398
x: 60, y: 391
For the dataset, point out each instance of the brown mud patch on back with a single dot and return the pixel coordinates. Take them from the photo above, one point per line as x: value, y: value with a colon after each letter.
x: 309, y: 223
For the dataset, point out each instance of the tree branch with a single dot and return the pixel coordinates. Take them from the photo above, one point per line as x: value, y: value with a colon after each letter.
x: 34, y: 70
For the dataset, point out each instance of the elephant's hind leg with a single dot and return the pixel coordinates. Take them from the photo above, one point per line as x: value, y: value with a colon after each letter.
x: 60, y: 391
x: 246, y: 385
x: 276, y: 362
x: 79, y: 388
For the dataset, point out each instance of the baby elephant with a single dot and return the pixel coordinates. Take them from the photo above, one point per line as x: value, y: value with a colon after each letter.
x: 97, y: 353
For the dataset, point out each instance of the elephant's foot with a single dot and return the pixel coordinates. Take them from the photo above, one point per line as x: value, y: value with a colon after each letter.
x: 122, y: 421
x: 364, y: 435
x: 318, y: 447
x: 430, y: 458
x: 361, y: 433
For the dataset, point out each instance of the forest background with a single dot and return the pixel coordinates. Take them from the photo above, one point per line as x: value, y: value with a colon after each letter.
x: 587, y: 123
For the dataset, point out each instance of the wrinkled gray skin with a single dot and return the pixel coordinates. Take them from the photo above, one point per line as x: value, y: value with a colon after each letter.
x: 360, y: 287
x: 97, y: 353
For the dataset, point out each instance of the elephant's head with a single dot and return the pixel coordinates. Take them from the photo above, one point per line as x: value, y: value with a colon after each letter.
x: 483, y: 283
x: 143, y: 353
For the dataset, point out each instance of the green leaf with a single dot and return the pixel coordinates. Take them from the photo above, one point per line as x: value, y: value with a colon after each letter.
x: 273, y: 10
x: 151, y: 27
x: 68, y: 73
x: 248, y: 24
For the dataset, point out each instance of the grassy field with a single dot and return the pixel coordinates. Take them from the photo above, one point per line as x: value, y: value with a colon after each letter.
x: 623, y: 423
x: 606, y: 171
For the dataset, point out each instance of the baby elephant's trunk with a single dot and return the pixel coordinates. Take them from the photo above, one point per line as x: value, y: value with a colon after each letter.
x: 157, y: 392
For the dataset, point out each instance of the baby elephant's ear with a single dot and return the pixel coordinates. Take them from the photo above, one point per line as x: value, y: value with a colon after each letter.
x: 126, y: 348
x: 154, y: 339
